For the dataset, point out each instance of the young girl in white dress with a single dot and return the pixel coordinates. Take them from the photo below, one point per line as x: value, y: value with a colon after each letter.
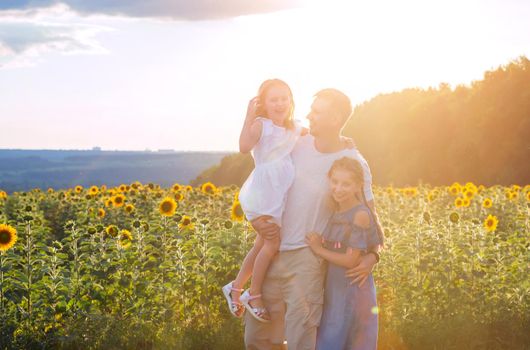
x: 270, y: 133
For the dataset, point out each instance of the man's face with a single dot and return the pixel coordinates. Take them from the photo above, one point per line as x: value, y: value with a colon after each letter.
x: 321, y: 119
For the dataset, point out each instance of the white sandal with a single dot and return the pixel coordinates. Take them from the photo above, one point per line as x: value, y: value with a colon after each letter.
x: 257, y: 312
x: 236, y: 308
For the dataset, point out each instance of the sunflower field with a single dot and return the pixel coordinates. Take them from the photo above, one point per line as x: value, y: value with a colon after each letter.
x: 141, y: 267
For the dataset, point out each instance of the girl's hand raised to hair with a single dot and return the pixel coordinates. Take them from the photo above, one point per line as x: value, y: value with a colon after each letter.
x: 252, y: 108
x: 314, y: 241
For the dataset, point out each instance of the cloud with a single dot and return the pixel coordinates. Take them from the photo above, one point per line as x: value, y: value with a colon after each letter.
x: 174, y: 9
x: 27, y: 34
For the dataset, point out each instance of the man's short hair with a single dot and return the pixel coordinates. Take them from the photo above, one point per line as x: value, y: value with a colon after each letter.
x: 340, y: 103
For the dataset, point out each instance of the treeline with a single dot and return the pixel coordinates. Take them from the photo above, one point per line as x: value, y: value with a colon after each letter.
x: 478, y: 132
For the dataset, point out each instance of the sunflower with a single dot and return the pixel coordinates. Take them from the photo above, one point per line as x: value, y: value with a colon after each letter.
x: 513, y: 195
x: 122, y: 188
x: 112, y: 230
x: 208, y: 188
x: 528, y: 196
x: 103, y: 188
x: 516, y: 188
x: 176, y: 187
x: 108, y: 202
x: 125, y: 238
x: 471, y: 187
x: 459, y: 202
x: 481, y: 188
x: 491, y: 223
x: 469, y: 193
x: 50, y: 190
x: 237, y: 214
x: 101, y: 213
x: 432, y: 196
x: 93, y: 190
x: 8, y: 237
x: 3, y: 195
x: 466, y: 202
x: 455, y: 189
x: 178, y: 196
x: 168, y: 206
x: 186, y: 223
x: 78, y: 189
x: 136, y: 185
x: 118, y: 200
x: 188, y: 188
x: 454, y: 217
x: 129, y: 208
x: 411, y: 191
x: 487, y: 203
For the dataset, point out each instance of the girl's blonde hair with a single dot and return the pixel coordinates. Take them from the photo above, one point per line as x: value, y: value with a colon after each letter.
x: 262, y: 94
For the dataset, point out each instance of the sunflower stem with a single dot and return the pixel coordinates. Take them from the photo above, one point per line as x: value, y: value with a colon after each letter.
x: 1, y: 283
x: 29, y: 247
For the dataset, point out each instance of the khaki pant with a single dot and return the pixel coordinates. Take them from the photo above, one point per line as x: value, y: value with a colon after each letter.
x: 293, y: 292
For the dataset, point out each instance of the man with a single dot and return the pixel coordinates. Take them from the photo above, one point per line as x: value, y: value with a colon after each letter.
x: 294, y: 287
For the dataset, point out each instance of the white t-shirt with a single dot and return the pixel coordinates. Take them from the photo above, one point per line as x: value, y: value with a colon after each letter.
x: 306, y: 209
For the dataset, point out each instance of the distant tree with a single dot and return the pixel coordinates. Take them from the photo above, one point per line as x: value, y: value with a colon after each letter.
x: 233, y: 170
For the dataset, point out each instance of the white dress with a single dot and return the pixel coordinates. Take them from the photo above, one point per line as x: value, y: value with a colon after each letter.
x: 264, y: 192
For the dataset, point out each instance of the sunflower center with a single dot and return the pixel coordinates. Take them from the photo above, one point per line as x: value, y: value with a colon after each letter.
x: 167, y: 206
x: 239, y: 211
x: 5, y: 237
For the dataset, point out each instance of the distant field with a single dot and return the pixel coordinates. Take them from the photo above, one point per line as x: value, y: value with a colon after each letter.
x: 21, y: 170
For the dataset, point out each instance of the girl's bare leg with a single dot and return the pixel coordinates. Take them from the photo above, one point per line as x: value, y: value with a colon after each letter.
x: 246, y: 269
x: 263, y: 260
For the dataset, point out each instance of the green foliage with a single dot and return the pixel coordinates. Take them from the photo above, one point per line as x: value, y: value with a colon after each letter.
x: 442, y: 283
x: 440, y: 135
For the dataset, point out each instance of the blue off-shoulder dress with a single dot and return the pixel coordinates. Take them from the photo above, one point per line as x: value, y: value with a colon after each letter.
x: 349, y: 319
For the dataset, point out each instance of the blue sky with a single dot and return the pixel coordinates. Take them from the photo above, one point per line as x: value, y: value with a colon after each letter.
x: 141, y: 75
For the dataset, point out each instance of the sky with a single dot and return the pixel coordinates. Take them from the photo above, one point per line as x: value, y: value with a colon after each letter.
x: 177, y: 74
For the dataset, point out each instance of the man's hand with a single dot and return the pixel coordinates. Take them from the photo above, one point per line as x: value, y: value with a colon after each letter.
x: 265, y: 228
x: 361, y: 272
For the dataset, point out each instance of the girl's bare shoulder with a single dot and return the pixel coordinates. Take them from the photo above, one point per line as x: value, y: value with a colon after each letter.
x: 361, y: 218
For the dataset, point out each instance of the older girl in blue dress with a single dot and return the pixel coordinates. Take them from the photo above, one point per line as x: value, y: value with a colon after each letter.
x: 349, y: 319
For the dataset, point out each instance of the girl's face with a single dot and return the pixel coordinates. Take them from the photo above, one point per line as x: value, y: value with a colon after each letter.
x: 343, y: 186
x: 277, y: 103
